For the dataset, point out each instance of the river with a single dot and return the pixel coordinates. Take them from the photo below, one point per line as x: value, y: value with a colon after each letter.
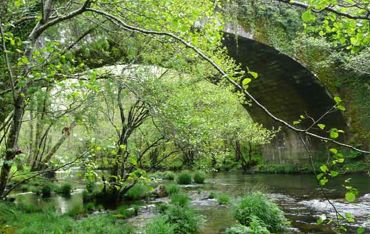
x: 298, y: 195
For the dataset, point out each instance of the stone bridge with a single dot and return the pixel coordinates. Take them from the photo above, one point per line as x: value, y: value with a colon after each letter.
x: 288, y: 90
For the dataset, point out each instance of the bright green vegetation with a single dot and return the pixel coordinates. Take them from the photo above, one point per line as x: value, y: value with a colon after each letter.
x: 256, y: 210
x: 134, y: 92
x: 172, y: 189
x: 199, y: 177
x: 184, y: 178
x: 169, y: 175
x: 160, y: 225
x: 223, y: 199
x: 138, y: 191
x: 47, y: 221
x: 180, y: 199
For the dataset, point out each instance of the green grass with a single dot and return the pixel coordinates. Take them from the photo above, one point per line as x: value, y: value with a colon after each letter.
x: 171, y: 189
x: 160, y: 225
x: 169, y: 175
x: 50, y: 222
x: 184, y: 178
x: 137, y: 192
x: 223, y: 199
x: 180, y: 199
x: 199, y: 177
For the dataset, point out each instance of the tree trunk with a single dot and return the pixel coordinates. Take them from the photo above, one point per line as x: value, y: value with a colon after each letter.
x: 12, y: 143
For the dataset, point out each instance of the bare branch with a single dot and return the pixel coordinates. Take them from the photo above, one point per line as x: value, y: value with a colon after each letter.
x: 42, y: 26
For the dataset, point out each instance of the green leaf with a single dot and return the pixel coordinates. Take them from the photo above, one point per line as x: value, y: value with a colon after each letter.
x: 253, y: 74
x: 246, y: 81
x: 349, y: 217
x: 341, y: 107
x: 308, y: 16
x: 296, y: 122
x: 337, y: 99
x: 334, y: 134
x: 324, y: 168
x: 319, y: 176
x: 321, y: 219
x: 324, y: 181
x: 321, y: 126
x: 334, y: 173
x: 341, y: 160
x: 350, y: 196
x: 333, y: 150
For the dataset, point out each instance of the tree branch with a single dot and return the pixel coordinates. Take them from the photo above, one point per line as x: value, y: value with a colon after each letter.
x: 122, y: 24
x: 328, y: 9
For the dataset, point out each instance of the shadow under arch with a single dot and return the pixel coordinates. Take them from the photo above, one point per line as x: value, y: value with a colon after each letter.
x: 288, y: 90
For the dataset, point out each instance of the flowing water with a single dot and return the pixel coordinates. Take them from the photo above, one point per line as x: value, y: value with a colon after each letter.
x: 297, y: 195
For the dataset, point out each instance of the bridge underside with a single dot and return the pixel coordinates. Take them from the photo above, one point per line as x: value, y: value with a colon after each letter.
x: 288, y: 90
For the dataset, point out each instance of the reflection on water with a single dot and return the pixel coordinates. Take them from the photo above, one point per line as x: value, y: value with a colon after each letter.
x: 61, y: 204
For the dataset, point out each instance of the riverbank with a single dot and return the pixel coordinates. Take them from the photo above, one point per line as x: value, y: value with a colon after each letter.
x: 213, y: 197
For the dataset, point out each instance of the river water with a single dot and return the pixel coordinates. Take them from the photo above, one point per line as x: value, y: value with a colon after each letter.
x: 298, y: 195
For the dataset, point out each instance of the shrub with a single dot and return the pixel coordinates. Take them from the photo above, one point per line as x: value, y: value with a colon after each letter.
x: 65, y: 190
x: 138, y: 191
x: 169, y: 175
x: 184, y: 178
x: 172, y: 189
x: 46, y: 190
x: 101, y: 224
x: 180, y: 199
x: 185, y: 219
x: 257, y: 226
x: 223, y: 199
x: 258, y: 205
x: 159, y: 225
x: 199, y: 178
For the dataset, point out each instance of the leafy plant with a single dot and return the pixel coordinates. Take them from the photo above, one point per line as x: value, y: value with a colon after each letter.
x: 199, y: 178
x: 185, y: 219
x: 160, y: 225
x: 65, y: 190
x: 180, y: 199
x: 223, y: 199
x: 172, y: 189
x: 184, y: 178
x: 46, y: 190
x: 169, y: 175
x: 138, y: 191
x: 257, y: 205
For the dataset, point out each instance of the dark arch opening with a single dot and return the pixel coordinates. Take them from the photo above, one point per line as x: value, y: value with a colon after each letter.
x: 288, y: 90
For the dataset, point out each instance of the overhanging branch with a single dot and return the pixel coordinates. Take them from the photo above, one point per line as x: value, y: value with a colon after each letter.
x: 328, y: 9
x: 122, y: 24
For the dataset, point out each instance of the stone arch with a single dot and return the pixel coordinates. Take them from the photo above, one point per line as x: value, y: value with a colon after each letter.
x: 288, y: 90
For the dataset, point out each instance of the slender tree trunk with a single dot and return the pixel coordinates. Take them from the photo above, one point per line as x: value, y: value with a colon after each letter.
x: 54, y: 149
x: 12, y: 142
